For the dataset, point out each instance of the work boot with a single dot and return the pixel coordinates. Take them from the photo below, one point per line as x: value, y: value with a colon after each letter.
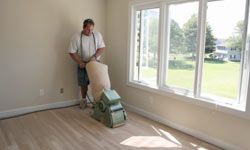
x: 83, y: 103
x: 89, y: 103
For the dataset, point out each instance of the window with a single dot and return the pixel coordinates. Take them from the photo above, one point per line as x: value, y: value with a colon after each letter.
x: 221, y: 76
x: 192, y: 48
x: 147, y: 28
x: 182, y: 47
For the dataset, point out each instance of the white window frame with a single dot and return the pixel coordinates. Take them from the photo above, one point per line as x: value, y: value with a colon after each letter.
x: 133, y: 40
x: 165, y: 51
x: 182, y: 94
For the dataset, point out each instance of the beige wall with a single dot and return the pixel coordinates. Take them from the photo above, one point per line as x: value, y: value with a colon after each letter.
x: 34, y: 37
x: 226, y: 127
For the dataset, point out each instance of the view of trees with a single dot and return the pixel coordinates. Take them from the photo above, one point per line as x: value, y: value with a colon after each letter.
x: 183, y: 40
x: 167, y: 40
x: 235, y: 41
x: 223, y: 54
x: 187, y: 37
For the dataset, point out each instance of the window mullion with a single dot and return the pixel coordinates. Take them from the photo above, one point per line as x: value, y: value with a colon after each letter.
x: 245, y: 58
x: 132, y: 42
x: 140, y: 47
x: 162, y: 45
x: 165, y: 54
x: 200, y: 47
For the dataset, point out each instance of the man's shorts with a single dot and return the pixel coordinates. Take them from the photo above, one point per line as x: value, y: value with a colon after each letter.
x: 82, y: 76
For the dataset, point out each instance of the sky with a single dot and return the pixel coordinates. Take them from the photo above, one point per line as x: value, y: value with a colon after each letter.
x: 222, y: 15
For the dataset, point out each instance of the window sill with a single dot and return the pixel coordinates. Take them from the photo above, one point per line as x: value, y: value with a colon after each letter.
x: 235, y: 109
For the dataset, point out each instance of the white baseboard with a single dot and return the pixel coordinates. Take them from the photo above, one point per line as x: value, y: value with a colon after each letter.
x: 184, y: 129
x: 25, y: 110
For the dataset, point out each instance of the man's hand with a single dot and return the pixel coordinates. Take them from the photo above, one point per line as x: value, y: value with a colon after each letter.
x: 93, y: 58
x: 77, y: 59
x: 82, y: 65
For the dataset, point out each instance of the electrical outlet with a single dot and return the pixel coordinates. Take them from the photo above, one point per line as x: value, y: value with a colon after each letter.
x: 41, y: 92
x: 61, y: 90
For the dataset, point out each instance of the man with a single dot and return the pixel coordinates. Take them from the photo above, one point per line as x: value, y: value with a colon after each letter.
x: 84, y: 47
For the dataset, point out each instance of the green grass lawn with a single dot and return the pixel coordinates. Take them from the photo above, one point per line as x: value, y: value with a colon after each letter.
x: 220, y: 79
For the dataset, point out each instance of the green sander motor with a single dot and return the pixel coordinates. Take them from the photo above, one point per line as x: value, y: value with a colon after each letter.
x: 107, y: 103
x: 109, y: 109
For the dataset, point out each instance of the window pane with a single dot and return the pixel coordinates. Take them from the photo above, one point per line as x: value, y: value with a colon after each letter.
x: 221, y: 73
x: 147, y: 28
x: 182, y: 45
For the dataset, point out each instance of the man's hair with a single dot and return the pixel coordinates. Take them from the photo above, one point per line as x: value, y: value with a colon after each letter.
x: 88, y: 21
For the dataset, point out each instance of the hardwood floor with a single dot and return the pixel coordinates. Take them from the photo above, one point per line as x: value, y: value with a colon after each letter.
x: 73, y: 129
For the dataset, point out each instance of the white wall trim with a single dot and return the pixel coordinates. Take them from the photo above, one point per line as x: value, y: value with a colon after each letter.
x: 25, y: 110
x: 182, y: 128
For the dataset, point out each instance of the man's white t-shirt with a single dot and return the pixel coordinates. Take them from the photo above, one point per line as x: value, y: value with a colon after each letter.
x: 88, y: 45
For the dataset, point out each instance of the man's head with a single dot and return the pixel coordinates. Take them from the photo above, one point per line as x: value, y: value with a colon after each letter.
x: 88, y: 26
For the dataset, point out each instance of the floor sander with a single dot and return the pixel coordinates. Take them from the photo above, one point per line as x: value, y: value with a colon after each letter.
x: 107, y: 107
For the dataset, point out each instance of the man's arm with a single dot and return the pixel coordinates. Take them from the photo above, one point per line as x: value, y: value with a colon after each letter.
x: 100, y: 46
x: 99, y: 52
x: 77, y: 59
